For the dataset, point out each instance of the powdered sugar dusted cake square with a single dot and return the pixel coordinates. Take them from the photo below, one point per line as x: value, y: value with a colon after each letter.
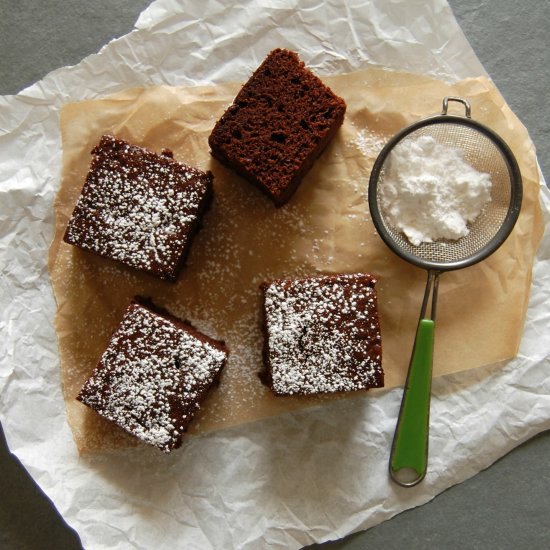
x: 322, y: 335
x: 279, y: 123
x: 139, y: 208
x: 154, y: 375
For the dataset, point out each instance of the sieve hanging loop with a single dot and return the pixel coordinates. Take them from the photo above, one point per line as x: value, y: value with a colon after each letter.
x: 466, y: 103
x: 484, y: 150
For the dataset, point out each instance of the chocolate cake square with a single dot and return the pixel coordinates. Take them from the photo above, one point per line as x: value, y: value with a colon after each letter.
x: 139, y: 208
x: 154, y: 375
x: 278, y: 124
x: 322, y: 335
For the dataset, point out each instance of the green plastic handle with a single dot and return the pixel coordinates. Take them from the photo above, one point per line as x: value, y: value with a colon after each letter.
x: 409, y: 458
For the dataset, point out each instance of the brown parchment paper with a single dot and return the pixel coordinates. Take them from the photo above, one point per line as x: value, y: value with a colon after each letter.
x: 325, y: 228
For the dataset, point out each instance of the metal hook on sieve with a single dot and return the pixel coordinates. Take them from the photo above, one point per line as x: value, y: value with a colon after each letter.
x: 466, y: 103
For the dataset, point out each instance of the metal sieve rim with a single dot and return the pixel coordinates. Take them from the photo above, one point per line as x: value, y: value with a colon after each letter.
x: 516, y: 194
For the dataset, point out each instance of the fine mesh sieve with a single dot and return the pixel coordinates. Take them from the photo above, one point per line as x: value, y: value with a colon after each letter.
x: 486, y: 152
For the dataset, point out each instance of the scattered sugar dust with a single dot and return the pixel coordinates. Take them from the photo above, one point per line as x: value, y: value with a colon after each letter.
x: 369, y: 143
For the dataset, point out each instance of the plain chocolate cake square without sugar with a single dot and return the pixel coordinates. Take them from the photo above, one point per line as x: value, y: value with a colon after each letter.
x: 322, y: 335
x: 139, y: 208
x: 279, y: 123
x: 154, y: 375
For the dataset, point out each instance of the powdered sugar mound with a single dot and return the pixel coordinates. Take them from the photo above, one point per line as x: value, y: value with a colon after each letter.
x: 430, y: 192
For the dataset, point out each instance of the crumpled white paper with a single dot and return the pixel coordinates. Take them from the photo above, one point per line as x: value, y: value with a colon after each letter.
x: 288, y: 481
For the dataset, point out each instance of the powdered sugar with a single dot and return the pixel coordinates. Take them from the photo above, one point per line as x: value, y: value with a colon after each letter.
x: 430, y: 192
x: 152, y: 377
x: 370, y: 143
x: 137, y: 207
x: 323, y: 334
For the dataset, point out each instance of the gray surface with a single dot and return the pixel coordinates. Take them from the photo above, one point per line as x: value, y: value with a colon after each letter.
x: 504, y: 507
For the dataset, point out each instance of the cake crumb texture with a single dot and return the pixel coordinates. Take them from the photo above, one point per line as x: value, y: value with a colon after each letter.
x: 278, y: 124
x: 322, y: 335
